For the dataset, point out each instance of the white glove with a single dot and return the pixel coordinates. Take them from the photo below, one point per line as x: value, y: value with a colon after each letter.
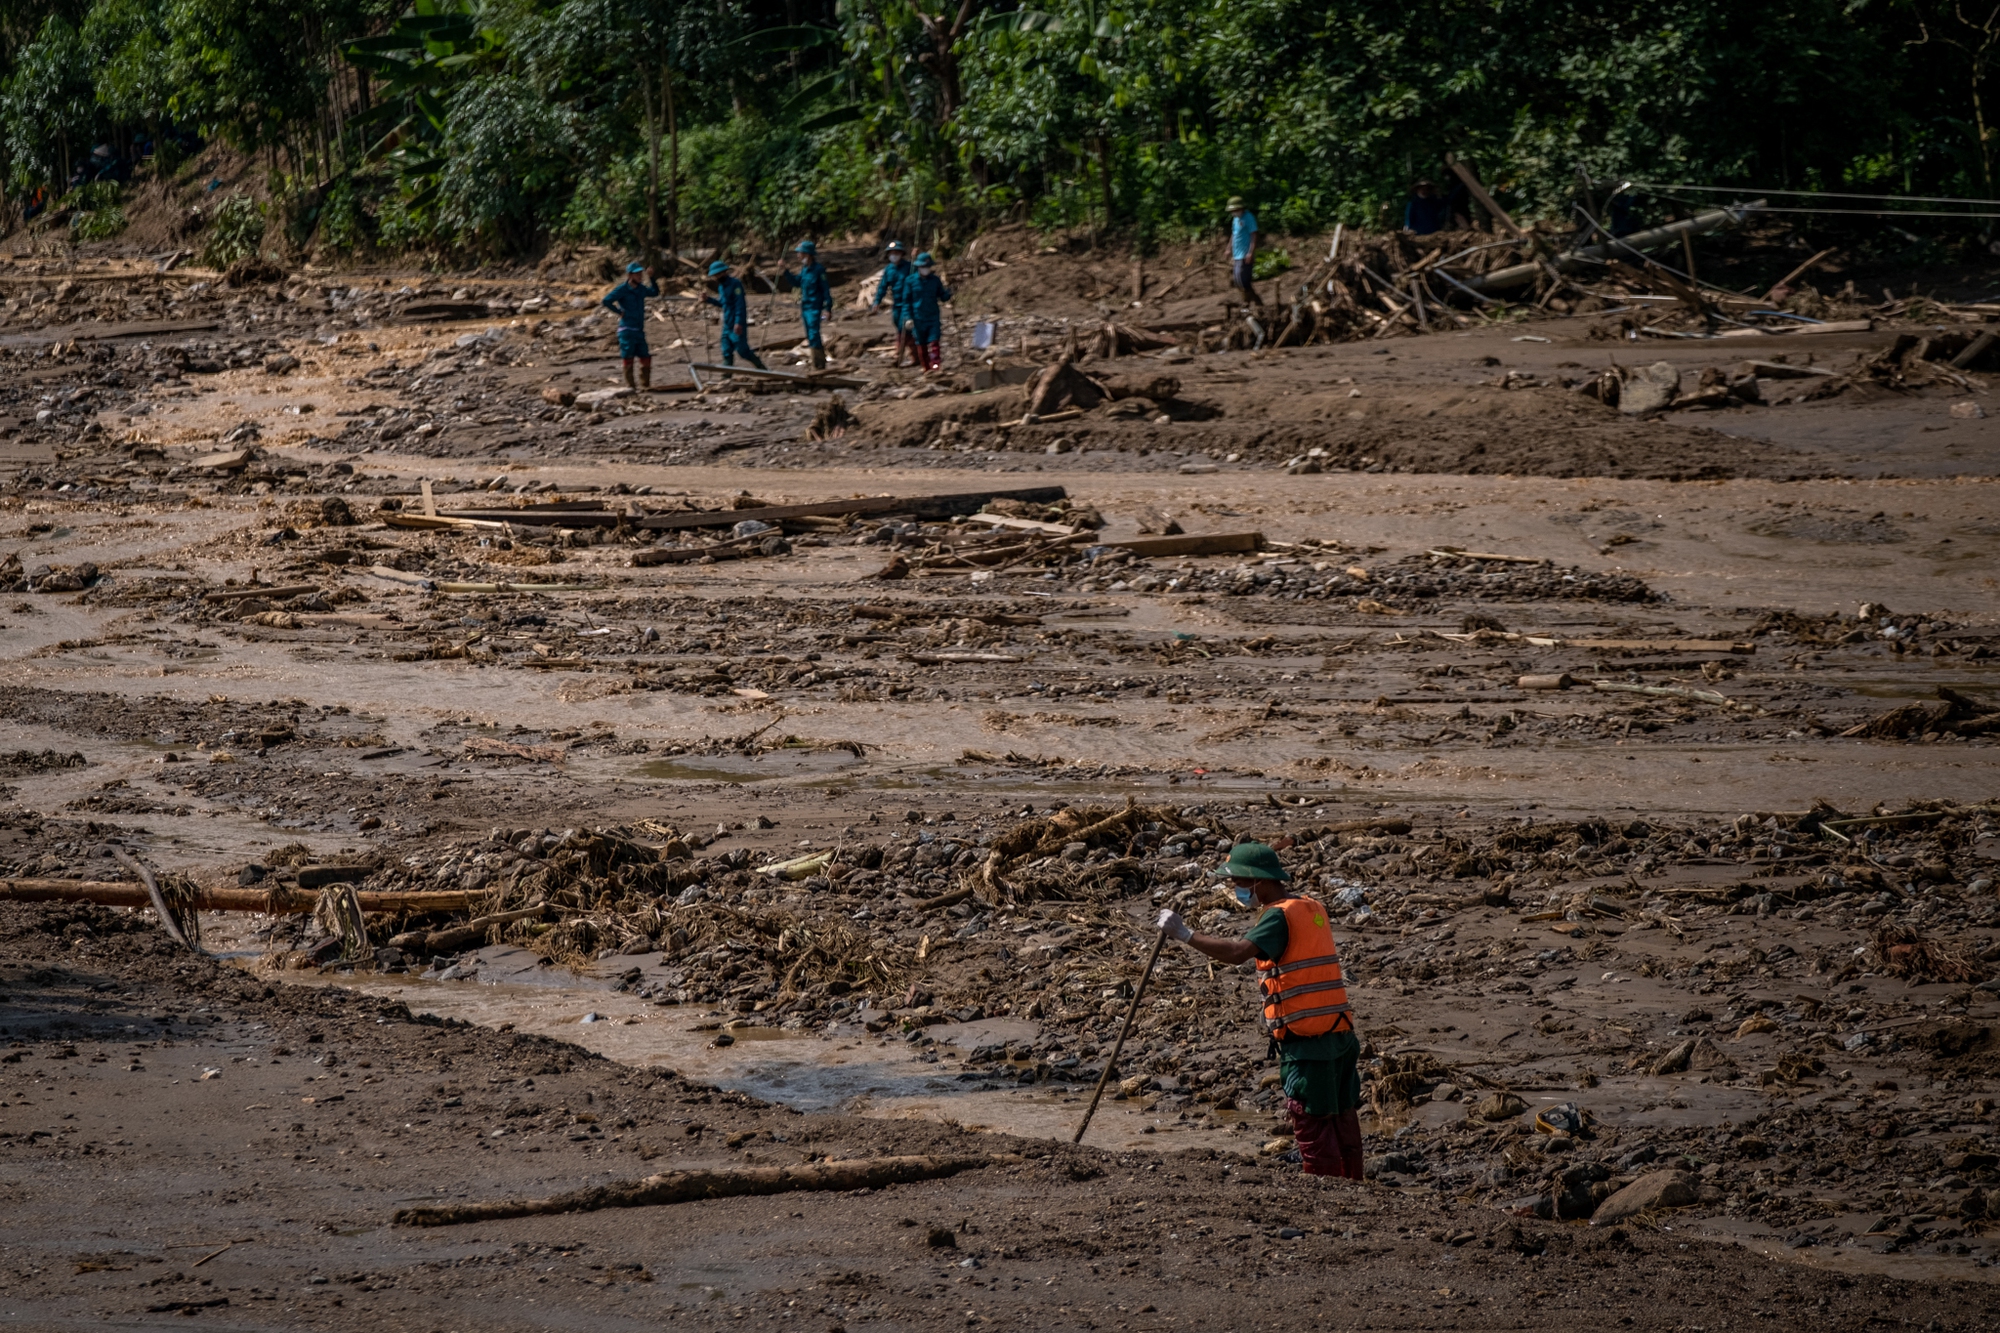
x: 1171, y: 924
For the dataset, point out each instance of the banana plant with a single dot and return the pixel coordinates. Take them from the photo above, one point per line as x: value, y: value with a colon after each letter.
x: 427, y: 51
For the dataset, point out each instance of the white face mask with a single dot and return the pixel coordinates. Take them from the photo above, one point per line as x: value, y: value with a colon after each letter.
x: 1245, y: 896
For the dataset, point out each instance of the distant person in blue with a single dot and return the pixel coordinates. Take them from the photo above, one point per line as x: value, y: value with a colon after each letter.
x: 894, y: 274
x: 734, y: 302
x: 628, y: 298
x: 923, y: 290
x: 1427, y: 211
x: 815, y: 297
x: 1243, y: 248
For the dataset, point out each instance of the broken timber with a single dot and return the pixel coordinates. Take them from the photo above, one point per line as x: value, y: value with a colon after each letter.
x: 1200, y: 543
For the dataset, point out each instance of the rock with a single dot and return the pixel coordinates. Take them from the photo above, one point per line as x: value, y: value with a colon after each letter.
x: 1755, y: 1023
x: 1648, y: 389
x: 555, y: 397
x: 1393, y: 1162
x: 1655, y: 1190
x: 1968, y: 411
x: 941, y: 1238
x: 1445, y: 1092
x: 250, y: 874
x: 1676, y: 1060
x: 1076, y: 851
x: 599, y: 397
x: 1499, y: 1106
x: 336, y: 512
x: 280, y: 363
x: 1971, y: 1204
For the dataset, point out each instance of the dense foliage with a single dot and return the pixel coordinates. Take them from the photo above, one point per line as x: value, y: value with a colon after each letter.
x: 491, y: 126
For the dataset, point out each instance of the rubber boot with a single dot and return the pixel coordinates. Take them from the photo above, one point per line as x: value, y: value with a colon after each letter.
x: 646, y: 375
x: 628, y: 376
x: 934, y: 358
x: 819, y: 358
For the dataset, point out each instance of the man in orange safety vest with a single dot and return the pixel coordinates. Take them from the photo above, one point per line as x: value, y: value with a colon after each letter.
x: 1305, y: 1006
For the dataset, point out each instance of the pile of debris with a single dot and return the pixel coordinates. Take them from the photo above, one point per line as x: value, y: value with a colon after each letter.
x: 1405, y: 585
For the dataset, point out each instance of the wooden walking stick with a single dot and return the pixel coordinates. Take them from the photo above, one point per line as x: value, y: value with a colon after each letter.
x: 1131, y: 1013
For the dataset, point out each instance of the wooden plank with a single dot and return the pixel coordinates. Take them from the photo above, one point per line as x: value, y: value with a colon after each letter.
x: 1199, y: 543
x: 1478, y: 191
x: 1658, y: 645
x: 1837, y: 326
x: 934, y: 506
x: 283, y: 594
x: 1025, y: 525
x: 1463, y: 554
x: 432, y: 522
x: 531, y: 518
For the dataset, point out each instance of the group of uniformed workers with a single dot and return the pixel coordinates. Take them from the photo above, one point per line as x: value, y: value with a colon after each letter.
x: 916, y: 293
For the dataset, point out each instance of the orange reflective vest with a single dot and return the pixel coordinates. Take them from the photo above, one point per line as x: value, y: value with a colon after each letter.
x: 1304, y: 992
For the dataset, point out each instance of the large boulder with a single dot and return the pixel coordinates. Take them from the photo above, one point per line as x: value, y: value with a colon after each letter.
x: 1656, y: 1189
x: 1648, y: 389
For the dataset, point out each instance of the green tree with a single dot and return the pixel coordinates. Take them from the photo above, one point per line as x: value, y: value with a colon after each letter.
x: 49, y: 106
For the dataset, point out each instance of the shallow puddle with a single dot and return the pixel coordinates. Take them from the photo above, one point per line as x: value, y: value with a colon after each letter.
x: 768, y: 767
x: 841, y: 1067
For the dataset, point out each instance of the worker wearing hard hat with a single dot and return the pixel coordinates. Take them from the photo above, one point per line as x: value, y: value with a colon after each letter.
x: 1305, y: 1006
x: 1243, y: 237
x: 734, y: 302
x: 896, y: 271
x: 922, y: 293
x: 815, y: 297
x: 628, y: 299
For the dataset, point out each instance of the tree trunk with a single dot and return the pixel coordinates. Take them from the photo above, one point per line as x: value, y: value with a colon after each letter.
x: 1104, y: 173
x: 1979, y: 123
x: 673, y: 163
x: 653, y: 177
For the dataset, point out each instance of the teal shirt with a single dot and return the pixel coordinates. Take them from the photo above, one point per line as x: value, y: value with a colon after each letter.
x: 1241, y: 228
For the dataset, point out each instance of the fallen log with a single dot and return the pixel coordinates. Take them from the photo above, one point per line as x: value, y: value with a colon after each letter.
x: 278, y: 901
x: 473, y: 932
x: 671, y: 1187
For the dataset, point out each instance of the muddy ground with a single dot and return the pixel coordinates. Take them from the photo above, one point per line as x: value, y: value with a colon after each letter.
x: 233, y: 647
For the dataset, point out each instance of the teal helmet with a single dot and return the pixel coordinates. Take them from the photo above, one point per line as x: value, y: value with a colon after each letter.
x: 717, y: 269
x: 806, y: 248
x: 924, y: 260
x: 635, y: 267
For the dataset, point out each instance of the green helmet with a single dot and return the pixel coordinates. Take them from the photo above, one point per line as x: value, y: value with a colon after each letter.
x: 1252, y: 860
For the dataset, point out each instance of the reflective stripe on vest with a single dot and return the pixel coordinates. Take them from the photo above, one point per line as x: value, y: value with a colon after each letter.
x: 1311, y: 998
